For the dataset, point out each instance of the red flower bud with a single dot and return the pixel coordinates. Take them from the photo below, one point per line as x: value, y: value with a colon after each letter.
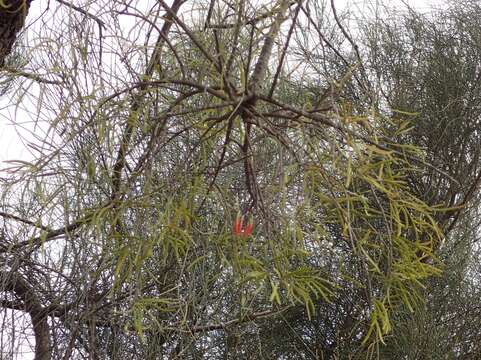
x: 238, y: 228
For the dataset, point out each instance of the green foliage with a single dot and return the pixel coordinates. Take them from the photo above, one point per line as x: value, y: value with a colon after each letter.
x: 234, y: 112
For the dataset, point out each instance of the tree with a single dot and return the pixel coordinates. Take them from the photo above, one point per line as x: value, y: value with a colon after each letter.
x: 153, y: 137
x: 428, y: 67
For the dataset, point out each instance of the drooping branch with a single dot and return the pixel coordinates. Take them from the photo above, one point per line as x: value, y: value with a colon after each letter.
x: 127, y: 133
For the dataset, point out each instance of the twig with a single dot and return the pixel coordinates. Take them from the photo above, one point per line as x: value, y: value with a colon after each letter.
x: 25, y: 221
x: 254, y: 316
x: 30, y: 76
x: 284, y: 50
x: 84, y: 12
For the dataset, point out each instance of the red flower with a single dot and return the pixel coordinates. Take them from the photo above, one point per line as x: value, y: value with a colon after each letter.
x: 239, y: 230
x: 248, y: 229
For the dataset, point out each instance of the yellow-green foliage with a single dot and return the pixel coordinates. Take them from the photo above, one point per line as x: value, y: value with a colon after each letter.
x: 353, y: 196
x: 363, y: 191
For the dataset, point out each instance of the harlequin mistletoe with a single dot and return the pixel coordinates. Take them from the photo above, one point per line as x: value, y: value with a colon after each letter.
x: 226, y: 112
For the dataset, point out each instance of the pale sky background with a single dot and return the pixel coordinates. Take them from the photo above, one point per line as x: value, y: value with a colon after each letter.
x: 12, y: 147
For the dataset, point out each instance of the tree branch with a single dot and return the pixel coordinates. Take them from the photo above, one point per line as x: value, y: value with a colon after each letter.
x: 16, y: 284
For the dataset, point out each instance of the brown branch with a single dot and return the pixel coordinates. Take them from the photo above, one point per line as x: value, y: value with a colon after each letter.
x: 30, y: 76
x: 161, y: 34
x: 25, y: 221
x: 61, y: 310
x: 319, y: 118
x: 238, y: 321
x: 260, y: 69
x: 252, y: 21
x: 235, y: 38
x: 253, y: 87
x: 129, y: 128
x: 100, y: 23
x: 458, y: 208
x: 332, y: 47
x: 47, y: 236
x: 172, y: 13
x: 355, y: 47
x: 344, y: 32
x: 17, y: 285
x: 12, y: 17
x: 209, y: 14
x: 284, y: 50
